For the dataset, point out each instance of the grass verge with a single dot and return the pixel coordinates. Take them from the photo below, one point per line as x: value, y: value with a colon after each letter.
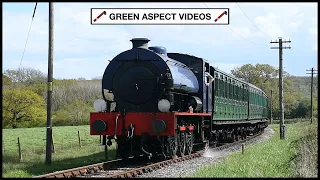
x: 306, y: 160
x: 296, y: 156
x: 68, y: 154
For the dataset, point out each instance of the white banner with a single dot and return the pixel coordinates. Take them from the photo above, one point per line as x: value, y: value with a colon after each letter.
x: 160, y: 16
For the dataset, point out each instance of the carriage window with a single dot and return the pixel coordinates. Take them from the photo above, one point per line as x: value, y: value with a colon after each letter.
x: 227, y: 88
x: 255, y: 98
x: 230, y: 90
x: 244, y: 91
x: 240, y: 93
x: 237, y: 93
x: 221, y: 88
x: 234, y: 92
x: 245, y: 94
x: 252, y: 98
x: 216, y: 86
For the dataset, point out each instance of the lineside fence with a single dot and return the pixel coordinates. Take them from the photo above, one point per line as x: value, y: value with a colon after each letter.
x: 290, y: 121
x: 23, y: 147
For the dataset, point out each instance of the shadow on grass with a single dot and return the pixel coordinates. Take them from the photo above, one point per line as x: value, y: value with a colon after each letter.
x: 9, y: 158
x: 39, y: 168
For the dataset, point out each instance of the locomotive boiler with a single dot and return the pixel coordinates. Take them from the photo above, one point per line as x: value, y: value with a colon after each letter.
x: 159, y: 103
x: 145, y: 79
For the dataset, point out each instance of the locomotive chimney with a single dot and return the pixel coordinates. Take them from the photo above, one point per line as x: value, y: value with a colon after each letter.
x: 140, y: 43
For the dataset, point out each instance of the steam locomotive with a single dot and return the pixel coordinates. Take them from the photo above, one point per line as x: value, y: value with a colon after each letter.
x: 159, y: 103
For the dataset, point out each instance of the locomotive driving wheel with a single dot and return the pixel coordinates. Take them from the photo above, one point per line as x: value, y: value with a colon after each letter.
x: 181, y: 143
x: 172, y: 146
x: 122, y: 151
x: 189, y: 142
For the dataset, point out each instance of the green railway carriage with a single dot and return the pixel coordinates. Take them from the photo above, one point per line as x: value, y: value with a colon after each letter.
x: 237, y: 100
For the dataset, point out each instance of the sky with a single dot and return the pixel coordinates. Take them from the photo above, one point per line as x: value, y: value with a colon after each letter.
x: 83, y: 50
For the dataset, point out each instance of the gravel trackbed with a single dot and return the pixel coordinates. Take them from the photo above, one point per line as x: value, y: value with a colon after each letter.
x: 208, y: 157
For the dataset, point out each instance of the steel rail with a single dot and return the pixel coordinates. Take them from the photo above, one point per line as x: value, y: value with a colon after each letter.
x: 84, y: 171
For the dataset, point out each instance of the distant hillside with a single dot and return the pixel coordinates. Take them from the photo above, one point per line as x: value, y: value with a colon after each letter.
x: 303, y: 83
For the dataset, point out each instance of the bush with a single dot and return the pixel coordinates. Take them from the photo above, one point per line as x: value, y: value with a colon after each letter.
x: 22, y: 108
x: 75, y: 113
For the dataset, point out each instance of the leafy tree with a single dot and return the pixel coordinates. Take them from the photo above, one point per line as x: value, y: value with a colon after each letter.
x: 257, y: 74
x: 75, y: 113
x: 28, y: 76
x: 40, y: 89
x: 22, y: 108
x: 97, y: 78
x: 6, y: 81
x: 303, y: 109
x: 66, y: 91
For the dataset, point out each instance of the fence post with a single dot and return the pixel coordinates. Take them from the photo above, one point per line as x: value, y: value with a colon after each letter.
x: 52, y: 143
x: 19, y: 148
x: 242, y: 148
x: 79, y: 139
x: 2, y: 148
x: 106, y: 152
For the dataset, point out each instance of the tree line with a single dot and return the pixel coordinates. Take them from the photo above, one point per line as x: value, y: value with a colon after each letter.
x: 25, y: 93
x: 25, y: 99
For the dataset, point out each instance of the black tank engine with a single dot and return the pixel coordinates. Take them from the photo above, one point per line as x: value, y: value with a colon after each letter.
x: 159, y: 103
x: 145, y: 79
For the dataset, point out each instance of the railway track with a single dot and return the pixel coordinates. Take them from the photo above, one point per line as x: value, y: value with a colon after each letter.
x: 114, y: 168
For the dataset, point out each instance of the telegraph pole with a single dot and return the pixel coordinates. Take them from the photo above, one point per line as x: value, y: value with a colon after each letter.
x: 271, y: 107
x: 49, y: 95
x: 282, y: 126
x: 312, y: 72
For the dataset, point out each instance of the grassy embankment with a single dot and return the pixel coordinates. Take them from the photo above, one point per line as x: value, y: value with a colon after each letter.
x: 296, y: 156
x: 68, y: 154
x: 290, y: 121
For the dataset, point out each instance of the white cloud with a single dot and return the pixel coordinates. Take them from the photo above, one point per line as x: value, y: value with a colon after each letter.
x: 78, y: 43
x: 314, y: 34
x: 81, y: 67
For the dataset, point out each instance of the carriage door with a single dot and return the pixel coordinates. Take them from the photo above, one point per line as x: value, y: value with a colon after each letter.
x: 207, y: 93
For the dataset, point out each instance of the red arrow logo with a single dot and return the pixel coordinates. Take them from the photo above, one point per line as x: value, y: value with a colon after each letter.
x: 224, y: 13
x: 103, y: 13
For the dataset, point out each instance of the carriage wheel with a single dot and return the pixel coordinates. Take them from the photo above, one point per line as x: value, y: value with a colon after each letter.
x: 214, y: 139
x: 233, y: 137
x: 238, y: 134
x: 181, y: 143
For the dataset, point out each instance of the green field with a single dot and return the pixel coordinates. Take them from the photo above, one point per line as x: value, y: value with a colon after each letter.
x: 296, y: 156
x: 68, y: 153
x: 272, y: 158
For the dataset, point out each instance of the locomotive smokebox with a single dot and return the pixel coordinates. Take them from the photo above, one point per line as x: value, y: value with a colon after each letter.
x: 140, y: 43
